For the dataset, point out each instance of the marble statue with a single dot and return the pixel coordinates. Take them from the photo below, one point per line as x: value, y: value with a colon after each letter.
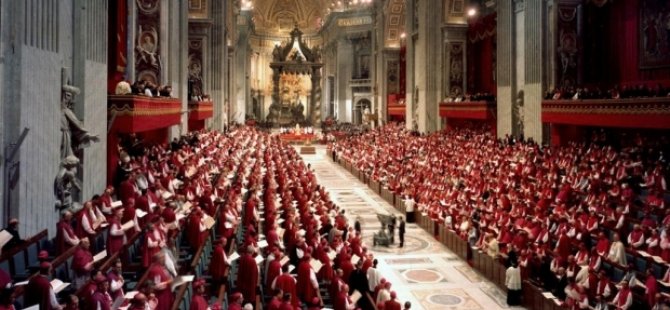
x: 66, y: 182
x: 74, y: 136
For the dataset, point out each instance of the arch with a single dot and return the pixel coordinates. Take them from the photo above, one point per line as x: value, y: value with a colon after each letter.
x: 359, y: 108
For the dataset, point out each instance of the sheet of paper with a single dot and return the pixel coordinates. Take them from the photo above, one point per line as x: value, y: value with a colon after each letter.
x: 355, y: 259
x: 302, y: 232
x: 58, y: 285
x: 284, y: 260
x: 118, y: 302
x: 233, y: 257
x: 179, y: 217
x: 355, y: 296
x: 22, y: 283
x: 259, y: 259
x: 167, y: 195
x: 290, y: 268
x: 262, y: 244
x: 152, y: 205
x: 331, y: 255
x: 140, y: 213
x: 117, y: 204
x: 130, y: 295
x: 35, y: 307
x: 100, y: 256
x: 548, y: 295
x: 227, y: 225
x: 316, y: 265
x: 209, y: 222
x: 178, y: 281
x: 5, y: 236
x: 643, y: 253
x: 658, y: 259
x: 187, y: 207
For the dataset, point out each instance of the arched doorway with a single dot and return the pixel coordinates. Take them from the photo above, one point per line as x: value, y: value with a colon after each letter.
x: 359, y: 109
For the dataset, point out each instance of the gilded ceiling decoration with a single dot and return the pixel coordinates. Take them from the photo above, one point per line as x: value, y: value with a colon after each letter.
x: 281, y: 16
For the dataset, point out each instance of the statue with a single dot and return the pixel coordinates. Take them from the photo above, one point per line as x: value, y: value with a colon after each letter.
x: 276, y: 53
x: 297, y: 112
x: 316, y: 52
x: 75, y: 136
x: 66, y: 181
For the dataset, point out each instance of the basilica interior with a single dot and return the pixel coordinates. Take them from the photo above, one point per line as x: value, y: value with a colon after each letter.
x: 243, y: 154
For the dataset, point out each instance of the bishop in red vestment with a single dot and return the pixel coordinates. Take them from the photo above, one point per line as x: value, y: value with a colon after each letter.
x: 162, y: 278
x: 247, y: 276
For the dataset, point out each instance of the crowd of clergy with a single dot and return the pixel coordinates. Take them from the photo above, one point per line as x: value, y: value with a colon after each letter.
x: 279, y: 241
x: 585, y: 221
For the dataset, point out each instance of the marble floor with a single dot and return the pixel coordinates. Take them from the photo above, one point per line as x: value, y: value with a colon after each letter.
x: 423, y: 272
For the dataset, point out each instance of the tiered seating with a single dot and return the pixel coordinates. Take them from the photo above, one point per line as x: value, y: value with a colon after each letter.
x: 468, y: 174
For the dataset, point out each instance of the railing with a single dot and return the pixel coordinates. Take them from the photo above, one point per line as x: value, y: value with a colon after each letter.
x: 131, y: 113
x: 630, y: 113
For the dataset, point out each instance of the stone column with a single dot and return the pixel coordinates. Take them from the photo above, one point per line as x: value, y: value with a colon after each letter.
x: 427, y: 76
x: 412, y: 33
x: 241, y: 73
x: 345, y: 60
x: 218, y: 61
x: 505, y: 66
x: 533, y: 70
x: 89, y: 72
x: 315, y: 98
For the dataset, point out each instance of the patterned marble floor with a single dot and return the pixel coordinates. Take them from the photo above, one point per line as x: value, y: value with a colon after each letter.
x: 424, y: 272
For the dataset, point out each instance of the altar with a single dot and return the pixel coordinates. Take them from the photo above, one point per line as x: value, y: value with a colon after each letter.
x: 290, y: 61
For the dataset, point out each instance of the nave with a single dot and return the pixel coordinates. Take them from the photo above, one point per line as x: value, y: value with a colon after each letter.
x: 424, y: 271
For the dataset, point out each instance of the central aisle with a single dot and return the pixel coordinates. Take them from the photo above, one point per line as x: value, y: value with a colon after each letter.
x: 424, y: 272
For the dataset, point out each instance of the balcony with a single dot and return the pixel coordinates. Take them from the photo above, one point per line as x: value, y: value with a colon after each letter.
x: 623, y: 113
x: 198, y: 112
x: 132, y: 114
x: 470, y: 110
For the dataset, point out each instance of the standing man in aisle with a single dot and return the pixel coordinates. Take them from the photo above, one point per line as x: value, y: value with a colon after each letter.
x: 401, y: 231
x: 409, y: 208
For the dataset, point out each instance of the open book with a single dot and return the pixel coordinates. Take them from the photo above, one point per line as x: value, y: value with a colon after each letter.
x: 233, y: 257
x: 58, y: 285
x: 98, y: 257
x: 316, y: 265
x: 355, y: 296
x: 117, y: 204
x: 259, y: 259
x: 5, y: 236
x: 127, y: 225
x: 209, y: 221
x: 178, y: 281
x: 140, y: 213
x: 262, y: 244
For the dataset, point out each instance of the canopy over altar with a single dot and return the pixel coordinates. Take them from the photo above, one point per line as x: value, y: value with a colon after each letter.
x: 287, y: 58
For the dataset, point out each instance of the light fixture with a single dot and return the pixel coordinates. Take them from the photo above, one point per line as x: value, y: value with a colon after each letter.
x: 403, y: 35
x: 472, y: 12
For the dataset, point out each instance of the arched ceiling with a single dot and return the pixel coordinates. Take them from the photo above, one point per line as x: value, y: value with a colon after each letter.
x: 279, y: 17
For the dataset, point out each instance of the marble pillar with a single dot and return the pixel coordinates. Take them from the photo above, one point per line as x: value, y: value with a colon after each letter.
x: 241, y: 61
x: 533, y: 70
x: 345, y: 58
x: 428, y: 80
x: 505, y: 67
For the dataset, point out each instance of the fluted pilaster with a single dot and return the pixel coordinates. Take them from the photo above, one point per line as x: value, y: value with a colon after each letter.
x: 505, y: 66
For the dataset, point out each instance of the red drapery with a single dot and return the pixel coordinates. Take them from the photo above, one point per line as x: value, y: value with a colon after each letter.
x: 481, y: 53
x: 618, y: 22
x: 117, y: 52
